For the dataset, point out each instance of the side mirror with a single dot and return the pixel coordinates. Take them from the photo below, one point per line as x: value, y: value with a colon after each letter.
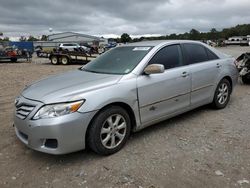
x: 154, y: 69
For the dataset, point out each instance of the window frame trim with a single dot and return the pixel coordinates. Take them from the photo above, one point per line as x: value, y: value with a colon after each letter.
x: 164, y: 46
x: 208, y: 50
x: 186, y: 57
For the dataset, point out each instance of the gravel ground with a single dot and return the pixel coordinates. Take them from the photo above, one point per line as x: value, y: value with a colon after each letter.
x: 201, y: 148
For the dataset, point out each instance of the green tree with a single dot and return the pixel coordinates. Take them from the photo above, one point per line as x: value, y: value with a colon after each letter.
x: 32, y: 38
x: 6, y: 39
x: 194, y: 34
x: 22, y: 38
x: 213, y: 35
x: 125, y: 38
x: 44, y: 38
x: 172, y: 36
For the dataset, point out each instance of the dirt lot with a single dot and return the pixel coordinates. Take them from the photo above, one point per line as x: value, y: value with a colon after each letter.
x: 202, y: 148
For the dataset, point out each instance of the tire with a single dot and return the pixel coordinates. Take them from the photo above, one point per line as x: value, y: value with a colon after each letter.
x: 222, y: 94
x: 65, y: 60
x: 102, y: 136
x: 13, y: 60
x: 54, y: 60
x: 246, y: 78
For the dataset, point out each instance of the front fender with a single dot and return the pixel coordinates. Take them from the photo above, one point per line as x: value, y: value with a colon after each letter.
x: 122, y: 92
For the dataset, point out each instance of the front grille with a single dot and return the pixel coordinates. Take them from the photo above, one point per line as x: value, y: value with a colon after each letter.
x: 23, y: 110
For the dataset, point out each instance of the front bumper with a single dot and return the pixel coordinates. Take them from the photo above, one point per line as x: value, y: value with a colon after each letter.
x: 59, y: 135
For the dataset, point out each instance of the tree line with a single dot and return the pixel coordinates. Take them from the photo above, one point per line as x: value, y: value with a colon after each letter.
x: 193, y: 34
x: 23, y: 38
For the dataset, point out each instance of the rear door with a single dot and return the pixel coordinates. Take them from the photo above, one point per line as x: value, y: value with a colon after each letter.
x: 165, y: 93
x: 205, y: 68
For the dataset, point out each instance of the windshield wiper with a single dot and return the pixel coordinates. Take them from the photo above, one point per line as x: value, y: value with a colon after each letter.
x: 83, y: 69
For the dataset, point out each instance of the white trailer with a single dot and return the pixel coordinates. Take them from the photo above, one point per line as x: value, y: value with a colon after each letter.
x: 238, y: 40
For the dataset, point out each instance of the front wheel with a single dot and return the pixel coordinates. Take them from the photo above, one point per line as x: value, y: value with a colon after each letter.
x: 109, y: 131
x: 222, y: 94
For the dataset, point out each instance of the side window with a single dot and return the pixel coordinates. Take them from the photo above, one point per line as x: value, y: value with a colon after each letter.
x: 211, y: 55
x: 169, y: 56
x: 195, y: 53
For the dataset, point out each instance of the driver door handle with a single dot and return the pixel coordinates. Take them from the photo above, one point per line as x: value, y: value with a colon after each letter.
x: 184, y: 74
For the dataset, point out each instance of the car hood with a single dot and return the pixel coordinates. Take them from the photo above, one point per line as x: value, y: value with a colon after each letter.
x: 68, y: 86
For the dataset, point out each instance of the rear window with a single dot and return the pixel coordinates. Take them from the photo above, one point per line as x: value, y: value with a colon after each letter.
x: 68, y: 44
x: 195, y: 53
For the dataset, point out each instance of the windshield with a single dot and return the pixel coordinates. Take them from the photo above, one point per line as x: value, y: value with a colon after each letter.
x: 120, y: 60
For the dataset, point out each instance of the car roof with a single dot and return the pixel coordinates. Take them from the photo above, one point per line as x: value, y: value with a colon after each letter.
x: 159, y: 43
x: 154, y: 43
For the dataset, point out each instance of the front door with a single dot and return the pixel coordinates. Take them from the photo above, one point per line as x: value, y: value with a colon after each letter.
x: 165, y: 93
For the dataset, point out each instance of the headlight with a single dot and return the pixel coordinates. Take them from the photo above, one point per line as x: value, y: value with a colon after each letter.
x: 55, y: 110
x: 17, y: 100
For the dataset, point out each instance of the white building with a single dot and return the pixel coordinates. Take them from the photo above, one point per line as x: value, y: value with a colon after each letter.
x: 75, y: 37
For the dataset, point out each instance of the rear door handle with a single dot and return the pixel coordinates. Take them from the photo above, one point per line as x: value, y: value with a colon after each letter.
x: 184, y: 74
x: 218, y: 65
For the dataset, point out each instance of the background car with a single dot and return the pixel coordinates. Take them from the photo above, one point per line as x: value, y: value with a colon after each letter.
x: 73, y: 46
x: 69, y: 46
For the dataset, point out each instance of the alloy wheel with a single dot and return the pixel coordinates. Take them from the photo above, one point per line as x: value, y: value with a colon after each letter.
x: 223, y: 93
x: 113, y: 131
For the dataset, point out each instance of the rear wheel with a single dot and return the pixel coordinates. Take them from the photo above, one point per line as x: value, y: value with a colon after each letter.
x: 109, y: 131
x: 246, y: 78
x: 65, y: 60
x: 54, y: 60
x: 222, y: 94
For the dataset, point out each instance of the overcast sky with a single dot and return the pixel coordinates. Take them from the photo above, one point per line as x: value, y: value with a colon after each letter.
x: 114, y: 17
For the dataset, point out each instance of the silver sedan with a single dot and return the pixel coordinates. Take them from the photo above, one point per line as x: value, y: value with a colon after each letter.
x: 125, y: 89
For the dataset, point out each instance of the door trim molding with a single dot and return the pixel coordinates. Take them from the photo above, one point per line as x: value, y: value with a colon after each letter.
x: 202, y: 87
x: 179, y: 95
x: 163, y: 100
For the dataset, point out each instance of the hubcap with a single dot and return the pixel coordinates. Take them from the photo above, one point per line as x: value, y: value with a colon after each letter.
x: 113, y: 131
x: 54, y: 60
x: 64, y: 61
x: 223, y: 93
